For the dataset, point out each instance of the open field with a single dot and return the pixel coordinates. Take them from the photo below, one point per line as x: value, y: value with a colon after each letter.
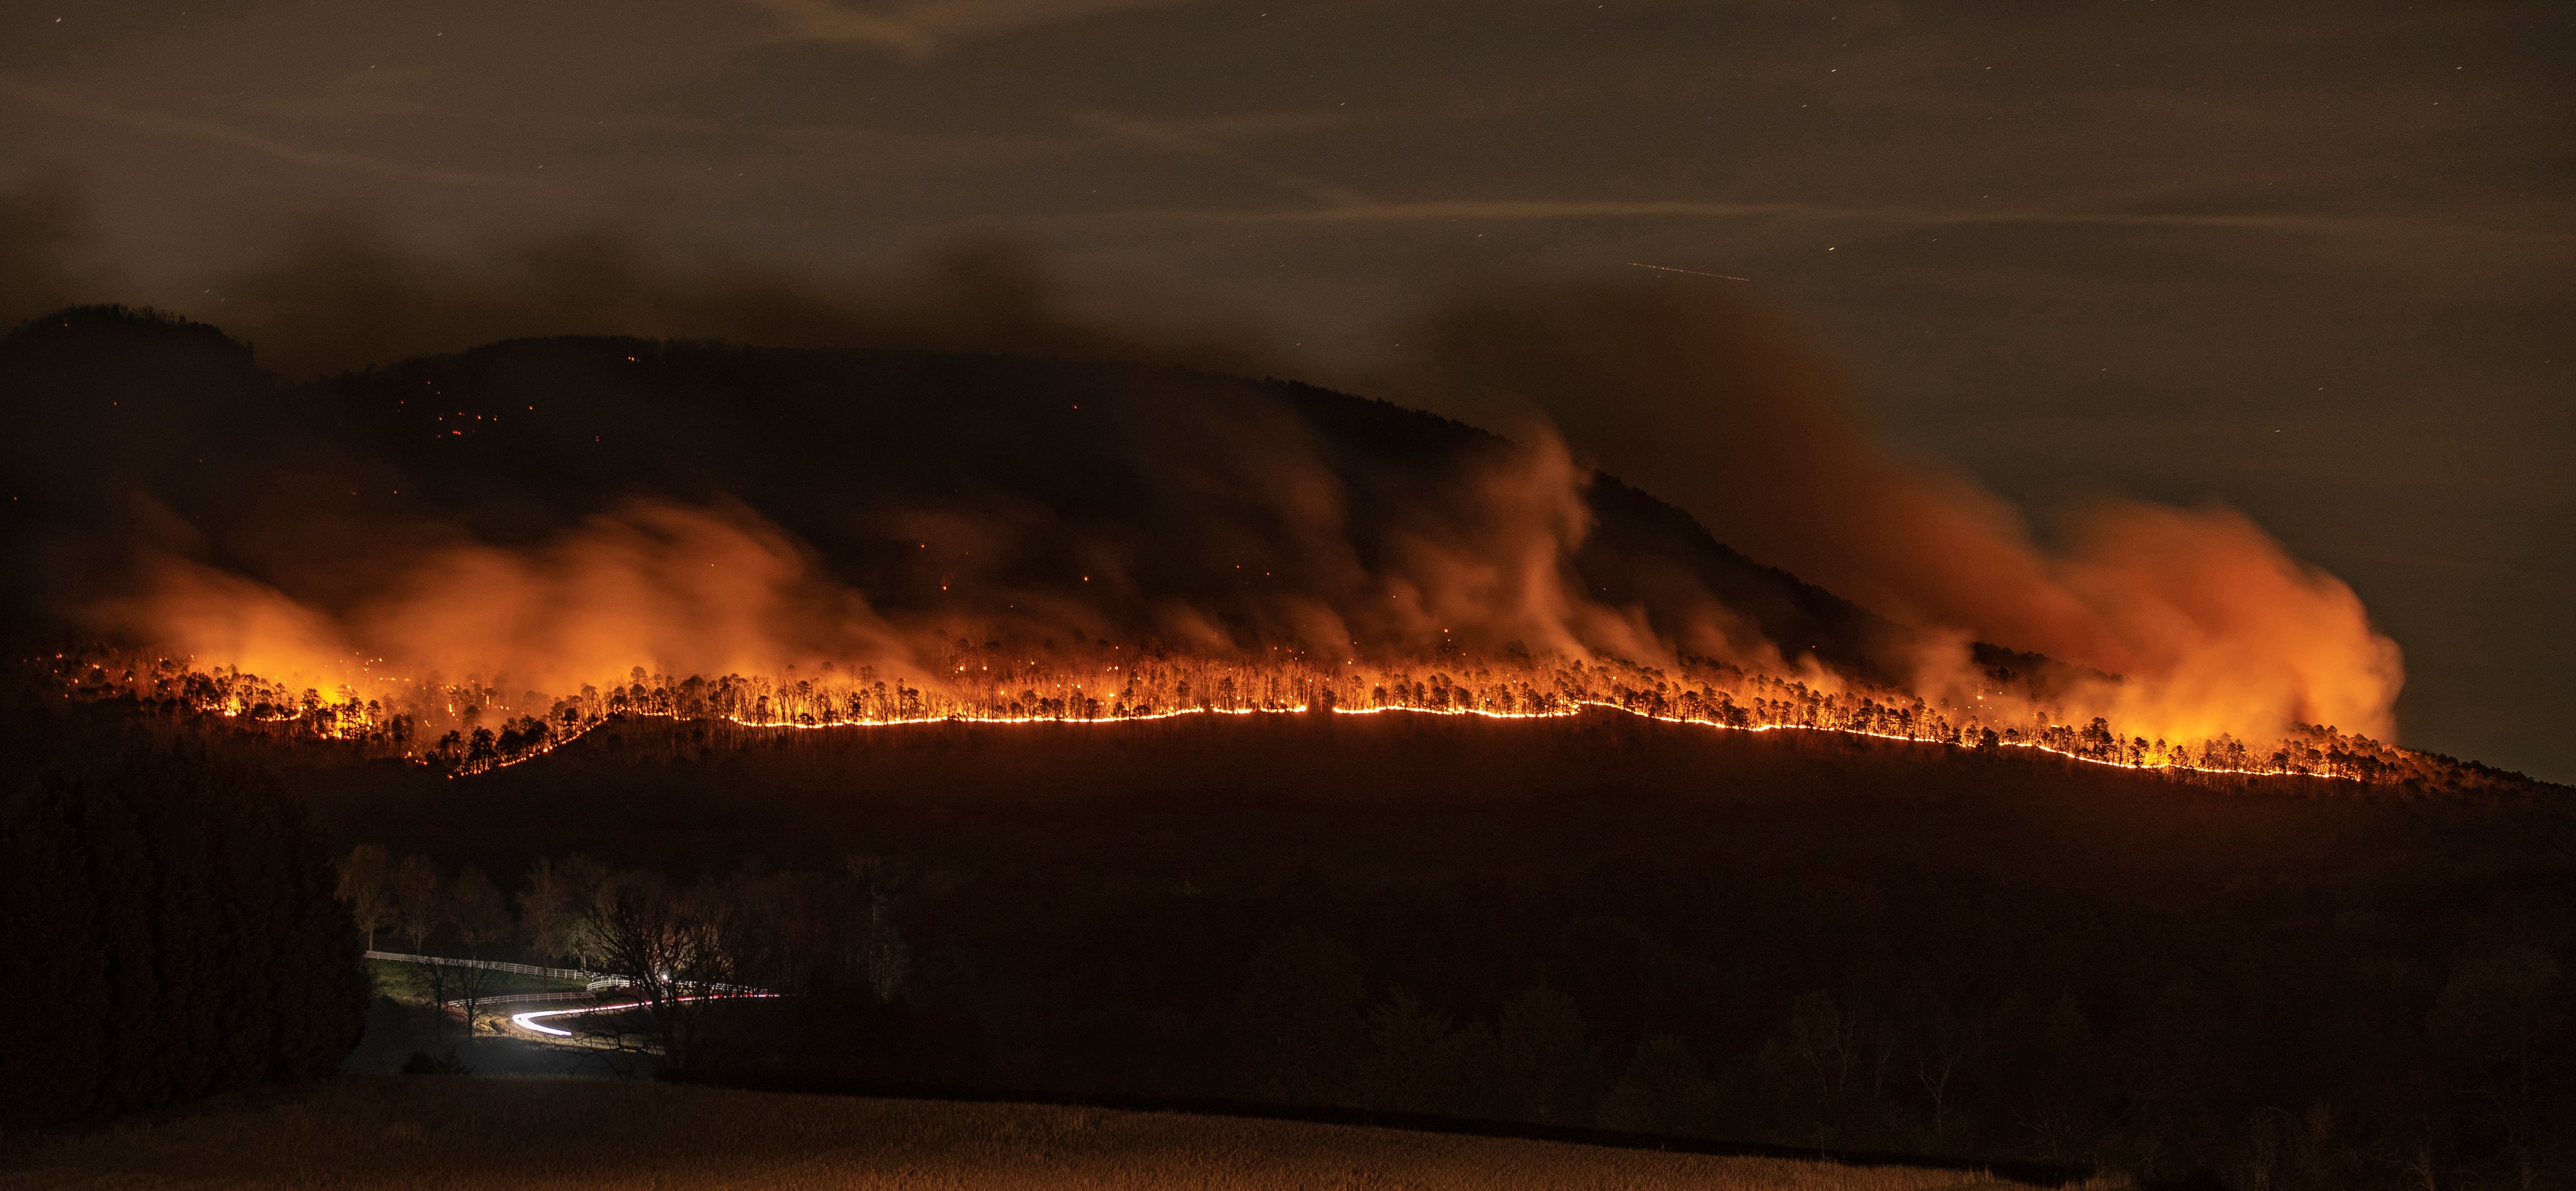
x: 437, y: 1132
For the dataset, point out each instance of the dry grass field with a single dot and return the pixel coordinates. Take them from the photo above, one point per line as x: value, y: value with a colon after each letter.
x: 442, y: 1132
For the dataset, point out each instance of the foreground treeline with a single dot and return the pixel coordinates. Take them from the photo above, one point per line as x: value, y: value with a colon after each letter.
x: 167, y: 929
x: 1749, y: 998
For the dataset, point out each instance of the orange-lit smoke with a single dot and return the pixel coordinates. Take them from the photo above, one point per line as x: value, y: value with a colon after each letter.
x: 223, y: 619
x: 681, y: 589
x: 1505, y: 577
x: 1473, y: 553
x: 1732, y: 412
x: 2224, y: 629
x: 672, y: 588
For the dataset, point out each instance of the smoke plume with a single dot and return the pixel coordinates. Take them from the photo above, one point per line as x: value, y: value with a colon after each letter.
x: 1735, y: 413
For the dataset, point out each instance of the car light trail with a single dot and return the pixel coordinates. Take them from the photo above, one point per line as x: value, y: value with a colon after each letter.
x: 528, y: 1021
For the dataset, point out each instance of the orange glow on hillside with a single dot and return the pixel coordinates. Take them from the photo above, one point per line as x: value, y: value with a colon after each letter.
x: 474, y: 727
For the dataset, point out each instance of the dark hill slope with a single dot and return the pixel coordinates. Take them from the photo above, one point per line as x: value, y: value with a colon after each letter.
x: 1785, y: 937
x: 1255, y: 799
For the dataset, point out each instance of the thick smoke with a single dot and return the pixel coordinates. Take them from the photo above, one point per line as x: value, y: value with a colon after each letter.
x: 340, y: 296
x: 1506, y: 577
x: 675, y: 588
x: 2222, y: 628
x: 1476, y: 557
x: 338, y: 292
x: 684, y: 589
x: 1734, y: 413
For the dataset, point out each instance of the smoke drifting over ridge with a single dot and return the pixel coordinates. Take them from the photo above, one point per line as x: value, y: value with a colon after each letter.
x: 340, y: 292
x: 1733, y: 412
x: 1719, y: 404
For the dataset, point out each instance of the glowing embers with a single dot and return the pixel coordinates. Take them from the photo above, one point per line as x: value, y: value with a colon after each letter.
x: 474, y: 726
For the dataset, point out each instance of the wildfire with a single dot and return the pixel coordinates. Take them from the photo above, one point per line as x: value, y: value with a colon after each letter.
x: 474, y: 726
x: 1478, y: 610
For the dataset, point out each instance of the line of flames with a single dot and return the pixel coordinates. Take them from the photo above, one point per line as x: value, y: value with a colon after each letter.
x: 1706, y: 698
x: 1301, y: 709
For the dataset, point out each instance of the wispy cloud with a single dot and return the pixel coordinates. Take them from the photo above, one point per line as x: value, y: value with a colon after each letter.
x: 1207, y: 139
x: 1507, y: 210
x: 921, y: 28
x: 63, y: 103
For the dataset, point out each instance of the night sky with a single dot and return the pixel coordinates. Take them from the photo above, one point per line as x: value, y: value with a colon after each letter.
x: 2312, y: 262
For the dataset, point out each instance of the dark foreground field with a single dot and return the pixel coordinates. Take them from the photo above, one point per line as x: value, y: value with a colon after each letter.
x: 1791, y: 940
x: 446, y: 1132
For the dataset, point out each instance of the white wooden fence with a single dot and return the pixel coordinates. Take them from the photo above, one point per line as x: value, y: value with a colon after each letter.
x: 591, y: 981
x: 568, y: 994
x: 495, y: 965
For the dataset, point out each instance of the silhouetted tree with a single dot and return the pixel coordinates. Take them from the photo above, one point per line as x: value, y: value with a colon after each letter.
x: 549, y: 910
x: 366, y: 885
x: 1414, y: 1061
x: 1297, y: 1021
x: 1663, y: 1090
x: 667, y: 946
x: 419, y: 901
x: 480, y: 917
x: 1546, y: 1071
